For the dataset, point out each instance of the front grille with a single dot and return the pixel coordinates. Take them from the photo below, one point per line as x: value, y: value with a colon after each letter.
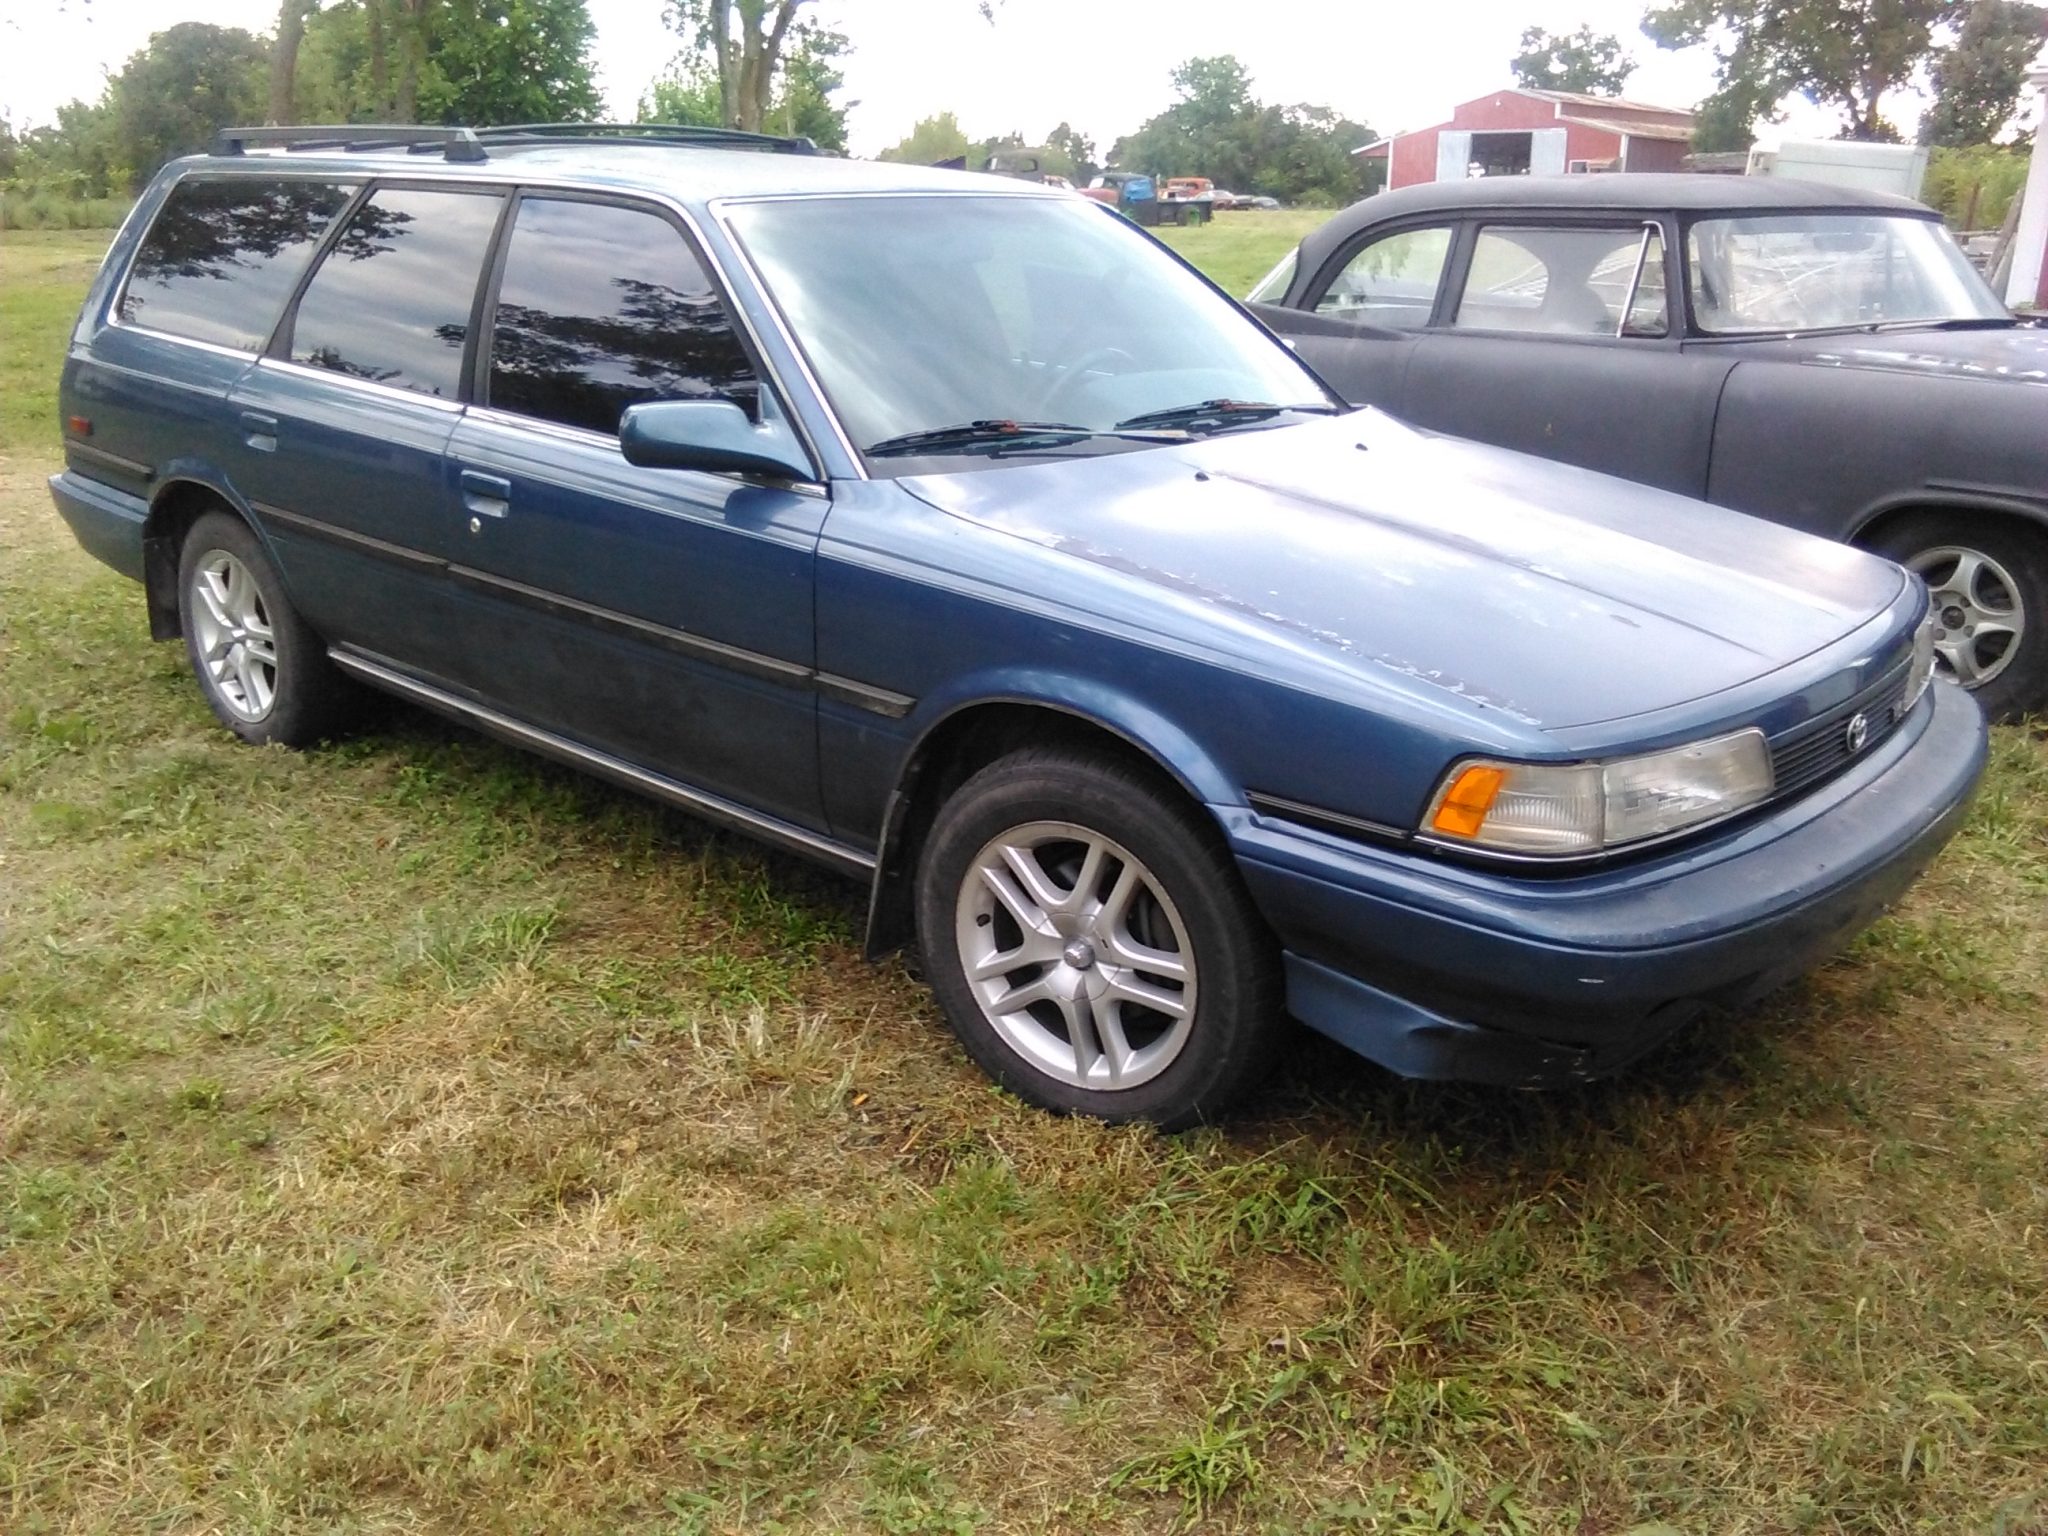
x: 1816, y: 750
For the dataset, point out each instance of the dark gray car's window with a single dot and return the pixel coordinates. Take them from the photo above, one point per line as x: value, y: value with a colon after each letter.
x: 390, y: 301
x: 224, y: 254
x: 602, y: 307
x: 1565, y: 281
x: 1392, y: 281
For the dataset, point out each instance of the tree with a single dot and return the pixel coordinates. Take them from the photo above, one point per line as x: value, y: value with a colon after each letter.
x: 930, y: 141
x: 284, y: 56
x: 1584, y: 61
x: 1217, y: 129
x: 510, y: 61
x: 799, y: 105
x: 745, y: 39
x: 1069, y: 145
x: 1841, y: 53
x: 1977, y: 79
x: 171, y: 98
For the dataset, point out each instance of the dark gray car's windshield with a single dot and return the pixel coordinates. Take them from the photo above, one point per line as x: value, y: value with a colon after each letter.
x: 921, y: 314
x: 1828, y: 271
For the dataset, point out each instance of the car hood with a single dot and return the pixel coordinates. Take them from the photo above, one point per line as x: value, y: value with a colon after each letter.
x: 2018, y: 355
x: 1560, y: 597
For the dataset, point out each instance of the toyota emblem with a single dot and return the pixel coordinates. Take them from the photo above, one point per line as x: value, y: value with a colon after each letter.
x: 1858, y: 733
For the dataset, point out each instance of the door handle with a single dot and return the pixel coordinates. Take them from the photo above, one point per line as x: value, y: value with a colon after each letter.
x: 259, y: 431
x: 486, y: 495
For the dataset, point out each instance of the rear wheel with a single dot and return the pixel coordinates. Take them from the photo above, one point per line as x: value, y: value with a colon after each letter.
x: 264, y: 673
x: 1092, y: 944
x: 1987, y: 578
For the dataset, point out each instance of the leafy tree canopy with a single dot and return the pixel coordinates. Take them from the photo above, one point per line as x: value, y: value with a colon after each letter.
x: 930, y: 141
x: 1584, y: 61
x: 1978, y: 78
x: 1218, y: 129
x: 1841, y: 53
x: 799, y: 83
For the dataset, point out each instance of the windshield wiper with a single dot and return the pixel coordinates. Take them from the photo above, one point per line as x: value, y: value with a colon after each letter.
x: 995, y: 436
x: 1214, y: 415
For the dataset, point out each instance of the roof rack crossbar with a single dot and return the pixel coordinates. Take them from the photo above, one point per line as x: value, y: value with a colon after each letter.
x: 454, y: 143
x: 652, y: 133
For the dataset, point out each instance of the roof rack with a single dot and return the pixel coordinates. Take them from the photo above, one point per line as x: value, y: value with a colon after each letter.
x: 650, y: 133
x: 414, y: 138
x: 470, y: 143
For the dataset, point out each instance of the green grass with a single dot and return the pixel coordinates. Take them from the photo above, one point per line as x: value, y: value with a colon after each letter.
x: 408, y: 1136
x: 1237, y: 249
x: 43, y: 277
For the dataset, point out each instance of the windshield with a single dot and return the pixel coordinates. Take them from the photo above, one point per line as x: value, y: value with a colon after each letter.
x: 920, y: 314
x: 1816, y: 271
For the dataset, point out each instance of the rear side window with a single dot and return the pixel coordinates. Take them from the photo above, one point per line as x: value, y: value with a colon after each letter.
x: 602, y: 307
x: 1566, y: 282
x: 390, y: 300
x: 224, y: 254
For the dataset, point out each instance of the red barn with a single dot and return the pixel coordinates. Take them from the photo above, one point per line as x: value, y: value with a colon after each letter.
x: 1523, y: 132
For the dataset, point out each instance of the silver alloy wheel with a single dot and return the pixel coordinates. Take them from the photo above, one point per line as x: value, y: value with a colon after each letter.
x: 1077, y: 956
x: 1979, y: 616
x: 232, y: 634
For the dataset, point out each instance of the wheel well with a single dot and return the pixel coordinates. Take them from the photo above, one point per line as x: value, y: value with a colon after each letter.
x: 176, y: 508
x: 957, y: 748
x: 1873, y: 533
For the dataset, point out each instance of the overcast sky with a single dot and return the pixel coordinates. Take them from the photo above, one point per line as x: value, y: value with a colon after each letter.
x: 1100, y: 64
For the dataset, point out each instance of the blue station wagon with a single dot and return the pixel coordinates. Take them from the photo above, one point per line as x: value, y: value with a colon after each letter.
x: 951, y: 532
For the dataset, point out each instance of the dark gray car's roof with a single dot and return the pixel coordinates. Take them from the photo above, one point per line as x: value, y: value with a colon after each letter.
x: 1629, y: 192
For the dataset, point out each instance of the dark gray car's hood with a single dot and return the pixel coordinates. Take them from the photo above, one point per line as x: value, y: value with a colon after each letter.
x: 1562, y: 597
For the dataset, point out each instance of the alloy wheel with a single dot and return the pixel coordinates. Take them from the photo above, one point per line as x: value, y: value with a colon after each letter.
x: 235, y: 642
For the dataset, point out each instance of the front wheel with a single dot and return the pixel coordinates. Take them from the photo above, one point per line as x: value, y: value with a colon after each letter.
x: 1987, y: 580
x: 1092, y: 944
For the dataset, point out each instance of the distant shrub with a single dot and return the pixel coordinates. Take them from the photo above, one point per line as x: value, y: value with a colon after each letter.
x: 1973, y: 187
x: 23, y: 207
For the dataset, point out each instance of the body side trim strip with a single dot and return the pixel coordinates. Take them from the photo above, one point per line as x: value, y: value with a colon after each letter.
x: 698, y: 802
x: 75, y: 449
x: 348, y: 539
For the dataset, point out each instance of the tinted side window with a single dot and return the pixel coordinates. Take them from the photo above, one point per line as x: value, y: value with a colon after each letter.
x: 1392, y: 281
x: 223, y: 255
x: 601, y: 307
x: 391, y: 298
x: 1565, y: 282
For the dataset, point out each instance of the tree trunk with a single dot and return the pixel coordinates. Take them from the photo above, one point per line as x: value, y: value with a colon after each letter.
x: 412, y: 48
x: 284, y: 57
x: 720, y: 12
x: 380, y: 63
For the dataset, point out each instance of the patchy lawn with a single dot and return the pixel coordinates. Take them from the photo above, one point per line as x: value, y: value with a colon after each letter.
x: 1237, y: 249
x: 410, y: 1136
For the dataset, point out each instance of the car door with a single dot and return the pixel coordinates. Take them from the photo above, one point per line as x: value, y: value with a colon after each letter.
x: 1359, y: 321
x: 1557, y: 337
x: 344, y: 421
x: 662, y: 616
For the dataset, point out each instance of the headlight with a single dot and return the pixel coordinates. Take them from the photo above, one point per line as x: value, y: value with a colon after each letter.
x: 1920, y: 671
x: 1560, y: 809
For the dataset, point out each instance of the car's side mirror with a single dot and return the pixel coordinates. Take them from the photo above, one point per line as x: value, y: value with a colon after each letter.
x: 713, y: 435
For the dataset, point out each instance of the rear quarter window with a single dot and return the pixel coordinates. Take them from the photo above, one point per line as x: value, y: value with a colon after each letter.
x: 223, y: 255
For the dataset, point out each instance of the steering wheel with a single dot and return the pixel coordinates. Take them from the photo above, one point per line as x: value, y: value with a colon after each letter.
x: 1074, y: 374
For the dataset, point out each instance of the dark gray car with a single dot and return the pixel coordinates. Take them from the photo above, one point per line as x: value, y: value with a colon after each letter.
x: 1819, y: 356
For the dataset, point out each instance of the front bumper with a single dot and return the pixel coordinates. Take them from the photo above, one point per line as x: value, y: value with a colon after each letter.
x: 1441, y: 970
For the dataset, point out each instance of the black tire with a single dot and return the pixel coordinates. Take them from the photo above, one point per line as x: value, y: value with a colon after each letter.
x: 2013, y: 576
x: 296, y: 696
x: 1186, y: 898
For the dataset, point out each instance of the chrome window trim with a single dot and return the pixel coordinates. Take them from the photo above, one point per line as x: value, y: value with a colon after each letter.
x: 514, y: 421
x: 350, y: 381
x: 114, y: 322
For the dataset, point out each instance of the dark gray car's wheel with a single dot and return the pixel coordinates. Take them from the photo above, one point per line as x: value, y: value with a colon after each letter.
x: 1988, y: 580
x: 1092, y: 944
x: 264, y: 673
